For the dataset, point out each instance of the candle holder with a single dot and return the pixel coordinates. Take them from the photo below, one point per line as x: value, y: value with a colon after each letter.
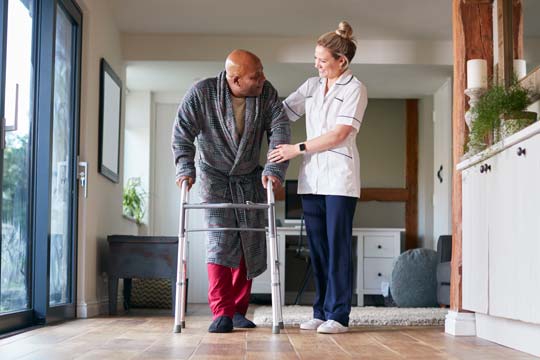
x: 474, y: 95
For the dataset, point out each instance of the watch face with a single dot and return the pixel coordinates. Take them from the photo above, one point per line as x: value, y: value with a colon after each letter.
x: 302, y: 147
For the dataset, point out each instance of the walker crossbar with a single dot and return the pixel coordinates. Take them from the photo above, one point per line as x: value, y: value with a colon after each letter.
x: 226, y: 229
x: 180, y: 303
x: 227, y: 206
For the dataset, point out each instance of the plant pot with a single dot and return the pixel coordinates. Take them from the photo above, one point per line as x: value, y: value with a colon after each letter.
x: 516, y: 121
x: 520, y: 115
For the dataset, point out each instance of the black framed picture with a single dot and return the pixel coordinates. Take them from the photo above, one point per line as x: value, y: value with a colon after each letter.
x: 110, y: 102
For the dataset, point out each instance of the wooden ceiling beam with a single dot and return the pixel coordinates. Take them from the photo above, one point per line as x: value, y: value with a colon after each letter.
x: 384, y: 194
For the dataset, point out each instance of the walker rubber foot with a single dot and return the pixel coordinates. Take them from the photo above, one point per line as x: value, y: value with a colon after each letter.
x: 183, y: 324
x: 281, y: 326
x: 275, y: 330
x: 177, y: 329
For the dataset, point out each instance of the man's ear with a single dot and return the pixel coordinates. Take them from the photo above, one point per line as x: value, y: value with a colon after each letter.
x: 236, y: 80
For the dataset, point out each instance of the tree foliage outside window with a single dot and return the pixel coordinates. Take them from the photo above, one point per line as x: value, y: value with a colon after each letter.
x: 14, y: 223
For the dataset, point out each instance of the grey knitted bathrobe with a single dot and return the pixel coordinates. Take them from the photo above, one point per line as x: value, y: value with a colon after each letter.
x: 229, y: 165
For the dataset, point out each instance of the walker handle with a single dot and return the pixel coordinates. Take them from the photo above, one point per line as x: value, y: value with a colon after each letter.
x: 270, y: 191
x: 184, y: 191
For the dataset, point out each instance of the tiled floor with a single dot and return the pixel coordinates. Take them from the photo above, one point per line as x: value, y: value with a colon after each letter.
x: 144, y: 336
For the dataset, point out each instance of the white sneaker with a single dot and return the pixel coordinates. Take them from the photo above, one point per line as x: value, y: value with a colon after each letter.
x: 312, y: 324
x: 332, y: 327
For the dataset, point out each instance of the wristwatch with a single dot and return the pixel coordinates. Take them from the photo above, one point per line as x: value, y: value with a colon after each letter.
x: 302, y: 147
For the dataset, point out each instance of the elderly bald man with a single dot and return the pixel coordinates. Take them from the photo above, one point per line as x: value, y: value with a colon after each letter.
x: 229, y: 115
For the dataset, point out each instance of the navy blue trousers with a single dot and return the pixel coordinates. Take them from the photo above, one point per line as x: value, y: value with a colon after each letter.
x: 329, y: 221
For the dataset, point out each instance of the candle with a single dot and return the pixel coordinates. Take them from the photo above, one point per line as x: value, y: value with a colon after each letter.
x: 520, y: 68
x: 476, y: 74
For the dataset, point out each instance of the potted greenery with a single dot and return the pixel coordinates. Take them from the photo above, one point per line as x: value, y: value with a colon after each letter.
x: 133, y: 200
x: 498, y: 113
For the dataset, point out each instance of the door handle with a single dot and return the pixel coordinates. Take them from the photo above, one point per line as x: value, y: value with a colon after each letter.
x: 439, y: 174
x: 83, y: 176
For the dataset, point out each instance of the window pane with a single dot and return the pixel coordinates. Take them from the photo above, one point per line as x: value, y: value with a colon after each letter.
x: 15, y: 276
x: 60, y: 266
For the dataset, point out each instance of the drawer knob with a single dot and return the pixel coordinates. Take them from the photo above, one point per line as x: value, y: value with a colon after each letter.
x: 379, y: 274
x: 521, y: 151
x: 485, y: 168
x: 379, y: 246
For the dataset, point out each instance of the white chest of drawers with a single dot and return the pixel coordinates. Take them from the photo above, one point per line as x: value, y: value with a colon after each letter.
x: 376, y: 249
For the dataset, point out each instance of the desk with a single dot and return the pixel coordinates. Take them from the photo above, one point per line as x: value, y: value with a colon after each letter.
x: 376, y: 249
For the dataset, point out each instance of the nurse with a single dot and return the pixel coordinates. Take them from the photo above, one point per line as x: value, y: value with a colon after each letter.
x: 329, y: 179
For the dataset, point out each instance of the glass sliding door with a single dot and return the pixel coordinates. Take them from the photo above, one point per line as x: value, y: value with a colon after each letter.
x: 15, y: 269
x: 61, y: 182
x: 40, y: 44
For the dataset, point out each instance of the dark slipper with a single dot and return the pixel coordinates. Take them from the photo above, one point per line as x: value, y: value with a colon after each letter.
x: 240, y: 321
x: 222, y: 324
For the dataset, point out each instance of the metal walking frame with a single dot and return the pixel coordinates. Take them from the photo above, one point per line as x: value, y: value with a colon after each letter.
x: 180, y: 307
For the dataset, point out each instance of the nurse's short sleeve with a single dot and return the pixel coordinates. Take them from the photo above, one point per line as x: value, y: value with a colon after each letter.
x: 295, y: 104
x: 352, y: 110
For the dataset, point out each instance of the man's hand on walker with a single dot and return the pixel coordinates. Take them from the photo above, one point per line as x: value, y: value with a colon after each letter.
x: 275, y: 181
x: 189, y: 179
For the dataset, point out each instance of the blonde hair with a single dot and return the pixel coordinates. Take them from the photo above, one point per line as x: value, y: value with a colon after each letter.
x: 340, y: 42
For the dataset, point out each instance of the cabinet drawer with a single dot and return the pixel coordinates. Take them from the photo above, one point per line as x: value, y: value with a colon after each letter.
x: 383, y: 246
x: 376, y: 271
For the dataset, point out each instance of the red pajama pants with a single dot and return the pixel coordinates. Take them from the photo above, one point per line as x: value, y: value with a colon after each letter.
x: 228, y: 289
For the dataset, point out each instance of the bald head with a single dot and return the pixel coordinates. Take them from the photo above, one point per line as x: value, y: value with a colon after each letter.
x: 240, y: 61
x: 245, y: 74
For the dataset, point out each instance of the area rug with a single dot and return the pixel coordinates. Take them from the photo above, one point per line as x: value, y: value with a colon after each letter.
x: 360, y: 316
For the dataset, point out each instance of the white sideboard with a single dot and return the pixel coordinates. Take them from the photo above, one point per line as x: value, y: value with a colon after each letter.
x: 376, y: 249
x: 501, y: 240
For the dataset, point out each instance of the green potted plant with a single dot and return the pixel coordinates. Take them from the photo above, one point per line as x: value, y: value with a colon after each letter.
x: 133, y: 200
x: 498, y: 113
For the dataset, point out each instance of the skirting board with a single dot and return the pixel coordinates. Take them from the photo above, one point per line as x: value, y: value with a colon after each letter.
x: 92, y: 308
x: 460, y: 323
x: 514, y: 334
x: 95, y: 308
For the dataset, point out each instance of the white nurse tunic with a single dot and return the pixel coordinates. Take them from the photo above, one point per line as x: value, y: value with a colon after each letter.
x: 335, y: 171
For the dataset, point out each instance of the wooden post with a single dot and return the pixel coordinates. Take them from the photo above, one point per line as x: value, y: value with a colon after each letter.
x: 506, y: 40
x: 472, y: 25
x: 517, y: 26
x: 411, y: 175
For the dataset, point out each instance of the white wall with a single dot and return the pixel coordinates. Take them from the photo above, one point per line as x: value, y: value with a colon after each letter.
x: 442, y: 157
x: 165, y: 193
x: 101, y: 213
x: 137, y: 139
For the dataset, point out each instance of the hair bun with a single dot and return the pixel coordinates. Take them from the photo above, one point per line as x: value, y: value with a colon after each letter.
x: 344, y: 30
